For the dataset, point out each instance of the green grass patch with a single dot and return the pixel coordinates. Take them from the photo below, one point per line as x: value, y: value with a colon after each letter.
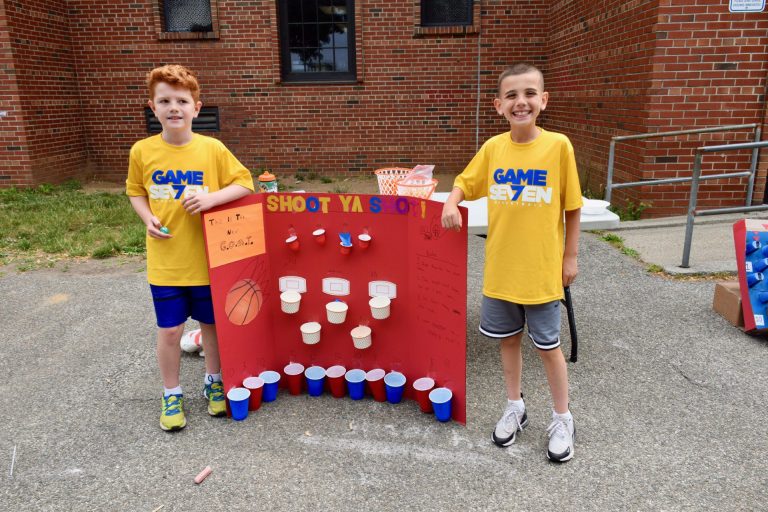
x: 618, y: 242
x: 614, y: 240
x: 67, y: 222
x: 630, y: 211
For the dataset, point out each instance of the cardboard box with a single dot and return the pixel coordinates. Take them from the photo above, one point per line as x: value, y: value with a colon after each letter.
x: 727, y: 302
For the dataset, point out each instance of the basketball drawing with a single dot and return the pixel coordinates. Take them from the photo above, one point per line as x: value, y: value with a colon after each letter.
x: 243, y: 302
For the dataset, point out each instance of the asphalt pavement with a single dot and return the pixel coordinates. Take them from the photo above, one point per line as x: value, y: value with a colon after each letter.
x: 668, y: 399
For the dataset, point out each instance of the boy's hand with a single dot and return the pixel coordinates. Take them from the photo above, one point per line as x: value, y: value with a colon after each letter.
x: 451, y: 217
x: 153, y: 228
x: 570, y: 270
x: 196, y: 203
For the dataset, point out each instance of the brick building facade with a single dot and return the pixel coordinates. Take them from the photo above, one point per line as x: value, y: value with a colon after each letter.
x: 72, y: 93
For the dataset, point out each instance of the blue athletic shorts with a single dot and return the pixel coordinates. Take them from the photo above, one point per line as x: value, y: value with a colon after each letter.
x: 174, y: 304
x: 501, y: 319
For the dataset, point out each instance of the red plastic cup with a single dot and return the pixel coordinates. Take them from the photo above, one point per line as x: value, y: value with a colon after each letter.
x: 363, y: 240
x: 292, y: 242
x: 421, y: 388
x: 335, y: 378
x: 345, y: 249
x: 256, y: 386
x: 319, y: 235
x: 294, y: 375
x: 375, y: 379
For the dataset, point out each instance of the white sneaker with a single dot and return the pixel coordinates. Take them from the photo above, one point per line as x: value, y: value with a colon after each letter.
x: 191, y: 341
x: 513, y: 420
x: 561, y: 434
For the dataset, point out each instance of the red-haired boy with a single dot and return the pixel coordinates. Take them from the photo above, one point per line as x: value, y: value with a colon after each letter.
x: 172, y: 177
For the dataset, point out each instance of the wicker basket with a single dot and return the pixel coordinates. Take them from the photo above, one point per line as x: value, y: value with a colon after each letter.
x: 388, y: 178
x: 416, y: 187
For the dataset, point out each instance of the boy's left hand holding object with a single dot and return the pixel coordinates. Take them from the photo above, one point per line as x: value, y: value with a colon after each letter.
x: 570, y: 270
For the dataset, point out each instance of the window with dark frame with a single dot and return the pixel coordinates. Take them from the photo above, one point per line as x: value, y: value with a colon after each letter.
x: 446, y: 13
x: 317, y: 40
x: 187, y: 16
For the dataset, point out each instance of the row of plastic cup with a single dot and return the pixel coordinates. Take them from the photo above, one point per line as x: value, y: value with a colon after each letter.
x: 361, y: 335
x: 383, y: 387
x: 336, y: 311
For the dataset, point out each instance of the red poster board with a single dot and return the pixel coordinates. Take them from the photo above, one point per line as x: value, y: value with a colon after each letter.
x: 410, y: 257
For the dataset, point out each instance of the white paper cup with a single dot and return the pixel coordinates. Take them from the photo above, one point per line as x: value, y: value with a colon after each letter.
x: 361, y: 336
x: 380, y: 307
x: 290, y: 301
x: 337, y: 311
x: 310, y: 333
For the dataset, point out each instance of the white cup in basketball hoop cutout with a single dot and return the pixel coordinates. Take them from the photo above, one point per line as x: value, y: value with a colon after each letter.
x: 310, y: 333
x: 361, y: 336
x: 337, y: 311
x: 380, y: 307
x: 290, y: 301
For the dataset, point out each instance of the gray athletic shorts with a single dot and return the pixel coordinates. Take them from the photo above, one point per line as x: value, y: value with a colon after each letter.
x: 501, y: 319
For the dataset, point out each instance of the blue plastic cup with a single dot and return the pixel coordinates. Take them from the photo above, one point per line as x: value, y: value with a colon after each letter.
x: 753, y: 279
x: 441, y: 403
x: 763, y: 251
x: 315, y: 379
x: 394, y: 382
x: 760, y: 265
x: 753, y: 246
x: 238, y: 403
x: 271, y: 382
x: 762, y: 297
x: 355, y: 384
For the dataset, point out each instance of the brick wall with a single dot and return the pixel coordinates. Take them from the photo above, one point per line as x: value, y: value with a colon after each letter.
x: 649, y: 66
x: 15, y: 168
x: 710, y: 69
x: 630, y: 67
x: 47, y: 86
x: 598, y: 80
x: 415, y: 101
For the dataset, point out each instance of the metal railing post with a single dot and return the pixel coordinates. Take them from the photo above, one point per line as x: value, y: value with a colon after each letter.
x: 609, y: 177
x: 753, y: 167
x: 691, y: 210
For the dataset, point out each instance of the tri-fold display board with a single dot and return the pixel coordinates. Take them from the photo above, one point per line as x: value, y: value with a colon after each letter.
x: 345, y: 249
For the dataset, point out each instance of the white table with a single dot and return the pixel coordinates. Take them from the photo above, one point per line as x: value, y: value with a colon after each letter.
x: 477, y: 223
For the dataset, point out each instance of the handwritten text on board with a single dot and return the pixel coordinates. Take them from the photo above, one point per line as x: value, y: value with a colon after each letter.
x: 235, y: 234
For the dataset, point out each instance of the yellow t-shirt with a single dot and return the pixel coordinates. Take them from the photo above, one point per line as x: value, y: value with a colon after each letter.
x: 164, y: 173
x: 528, y: 187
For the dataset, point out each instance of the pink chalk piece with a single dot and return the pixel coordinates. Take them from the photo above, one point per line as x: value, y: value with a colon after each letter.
x: 203, y: 475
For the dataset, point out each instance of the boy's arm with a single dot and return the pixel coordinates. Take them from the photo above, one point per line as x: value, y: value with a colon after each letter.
x: 572, y: 230
x: 451, y: 217
x: 141, y: 207
x: 196, y: 203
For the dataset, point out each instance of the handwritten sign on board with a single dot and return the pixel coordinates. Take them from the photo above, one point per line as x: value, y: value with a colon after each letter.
x: 235, y: 234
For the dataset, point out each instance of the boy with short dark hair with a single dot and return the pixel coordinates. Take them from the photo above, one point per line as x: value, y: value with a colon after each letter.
x: 529, y: 175
x: 172, y: 177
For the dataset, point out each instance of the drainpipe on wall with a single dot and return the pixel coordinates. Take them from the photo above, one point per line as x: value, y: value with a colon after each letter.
x: 477, y: 105
x: 762, y: 122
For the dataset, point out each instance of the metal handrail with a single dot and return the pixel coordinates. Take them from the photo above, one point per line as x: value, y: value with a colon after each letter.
x: 612, y: 152
x: 755, y: 147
